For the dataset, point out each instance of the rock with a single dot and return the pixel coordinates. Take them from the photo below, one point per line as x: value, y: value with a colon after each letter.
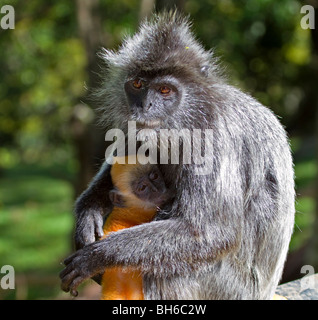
x: 305, y: 288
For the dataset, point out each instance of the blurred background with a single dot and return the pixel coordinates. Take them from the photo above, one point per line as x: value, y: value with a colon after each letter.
x: 50, y: 145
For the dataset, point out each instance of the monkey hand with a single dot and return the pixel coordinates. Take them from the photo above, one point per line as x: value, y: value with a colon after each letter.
x: 91, y: 208
x: 81, y: 265
x: 89, y: 228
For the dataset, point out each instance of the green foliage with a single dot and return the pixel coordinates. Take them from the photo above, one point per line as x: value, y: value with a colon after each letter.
x: 305, y: 216
x: 35, y: 228
x: 38, y: 61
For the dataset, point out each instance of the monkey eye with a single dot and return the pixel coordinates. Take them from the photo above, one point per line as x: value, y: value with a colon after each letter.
x: 137, y: 84
x: 153, y: 176
x: 142, y: 188
x: 164, y: 90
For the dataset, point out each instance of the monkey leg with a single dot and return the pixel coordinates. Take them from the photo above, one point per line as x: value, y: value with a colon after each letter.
x: 121, y: 285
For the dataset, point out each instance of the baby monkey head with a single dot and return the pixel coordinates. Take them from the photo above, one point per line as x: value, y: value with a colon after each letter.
x: 139, y: 186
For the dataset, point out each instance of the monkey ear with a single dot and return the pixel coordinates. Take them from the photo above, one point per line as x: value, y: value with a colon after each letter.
x: 205, y: 70
x: 116, y: 198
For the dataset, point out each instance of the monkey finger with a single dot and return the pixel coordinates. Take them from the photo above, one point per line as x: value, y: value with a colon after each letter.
x: 99, y: 232
x: 79, y: 242
x: 73, y: 286
x: 65, y: 272
x: 67, y: 279
x: 86, y: 234
x: 69, y: 259
x: 74, y: 293
x: 98, y: 224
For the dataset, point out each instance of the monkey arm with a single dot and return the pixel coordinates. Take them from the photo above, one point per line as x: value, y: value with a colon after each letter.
x: 90, y: 208
x: 163, y: 248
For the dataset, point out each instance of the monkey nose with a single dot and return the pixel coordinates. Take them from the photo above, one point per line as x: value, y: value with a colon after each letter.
x: 147, y: 106
x: 153, y: 188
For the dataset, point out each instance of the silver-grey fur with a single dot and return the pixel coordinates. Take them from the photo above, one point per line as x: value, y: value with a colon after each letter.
x: 227, y: 233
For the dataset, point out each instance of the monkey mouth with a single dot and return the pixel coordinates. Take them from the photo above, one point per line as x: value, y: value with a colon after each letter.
x: 143, y: 123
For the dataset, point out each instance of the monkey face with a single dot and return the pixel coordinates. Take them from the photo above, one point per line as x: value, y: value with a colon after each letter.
x: 152, y: 99
x: 151, y: 188
x: 138, y: 186
x: 160, y: 79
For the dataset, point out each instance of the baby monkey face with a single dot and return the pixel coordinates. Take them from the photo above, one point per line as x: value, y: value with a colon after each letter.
x: 150, y: 187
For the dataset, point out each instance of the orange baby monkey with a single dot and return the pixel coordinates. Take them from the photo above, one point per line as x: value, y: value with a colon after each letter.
x: 139, y: 191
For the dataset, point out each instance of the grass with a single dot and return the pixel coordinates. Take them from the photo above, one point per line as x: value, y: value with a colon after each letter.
x: 35, y: 230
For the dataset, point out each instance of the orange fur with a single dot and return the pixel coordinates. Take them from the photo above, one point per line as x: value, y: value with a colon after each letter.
x: 124, y: 283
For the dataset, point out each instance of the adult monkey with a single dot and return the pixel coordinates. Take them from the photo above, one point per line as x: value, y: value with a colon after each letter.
x: 227, y: 234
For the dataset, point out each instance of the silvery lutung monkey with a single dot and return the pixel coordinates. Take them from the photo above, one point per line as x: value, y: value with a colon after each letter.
x: 227, y: 232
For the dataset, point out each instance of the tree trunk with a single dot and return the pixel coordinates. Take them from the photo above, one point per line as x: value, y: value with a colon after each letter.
x: 169, y: 4
x: 88, y: 137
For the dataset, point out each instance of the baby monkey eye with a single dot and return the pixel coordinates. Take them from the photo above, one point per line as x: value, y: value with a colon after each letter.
x: 153, y: 176
x: 137, y: 84
x: 142, y: 188
x: 164, y: 90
